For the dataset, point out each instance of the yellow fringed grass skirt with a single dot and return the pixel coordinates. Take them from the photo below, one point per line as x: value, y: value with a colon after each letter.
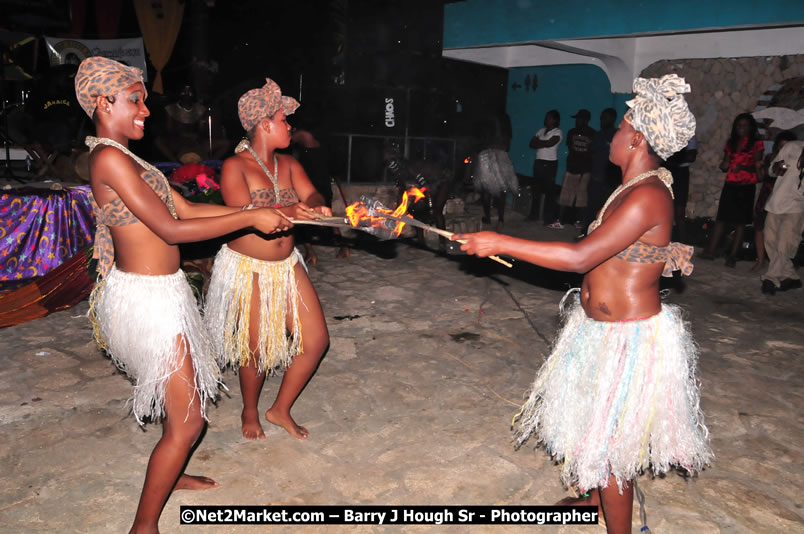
x: 227, y: 311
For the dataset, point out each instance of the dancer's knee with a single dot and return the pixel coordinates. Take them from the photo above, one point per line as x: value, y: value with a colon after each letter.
x: 316, y: 343
x: 314, y: 346
x: 185, y: 432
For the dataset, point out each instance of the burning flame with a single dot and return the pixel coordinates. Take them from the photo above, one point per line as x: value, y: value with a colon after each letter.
x: 363, y: 213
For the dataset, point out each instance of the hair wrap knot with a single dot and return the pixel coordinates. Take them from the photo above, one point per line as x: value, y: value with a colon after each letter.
x: 263, y: 102
x: 101, y: 76
x: 660, y: 112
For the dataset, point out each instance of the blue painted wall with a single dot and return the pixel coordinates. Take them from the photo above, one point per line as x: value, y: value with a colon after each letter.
x: 566, y: 88
x: 484, y: 22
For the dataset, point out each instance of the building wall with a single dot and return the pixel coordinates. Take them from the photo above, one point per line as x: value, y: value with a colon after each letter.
x: 566, y: 88
x: 722, y: 89
x: 509, y: 21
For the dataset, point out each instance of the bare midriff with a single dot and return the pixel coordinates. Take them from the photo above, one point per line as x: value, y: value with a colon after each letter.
x: 269, y: 248
x: 264, y: 248
x: 617, y: 290
x: 138, y: 250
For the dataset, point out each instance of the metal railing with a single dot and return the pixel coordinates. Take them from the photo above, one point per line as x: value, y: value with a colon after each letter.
x: 363, y: 158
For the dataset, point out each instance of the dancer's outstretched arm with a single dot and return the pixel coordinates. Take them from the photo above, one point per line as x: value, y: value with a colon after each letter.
x: 632, y: 219
x: 114, y: 169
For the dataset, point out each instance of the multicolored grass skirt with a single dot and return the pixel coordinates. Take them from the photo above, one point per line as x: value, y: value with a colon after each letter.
x: 137, y: 319
x: 618, y: 398
x: 228, y: 310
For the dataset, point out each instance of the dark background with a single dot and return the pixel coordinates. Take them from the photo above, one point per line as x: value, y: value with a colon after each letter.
x: 345, y: 56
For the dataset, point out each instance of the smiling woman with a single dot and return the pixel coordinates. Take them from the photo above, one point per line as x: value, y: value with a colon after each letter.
x: 143, y: 311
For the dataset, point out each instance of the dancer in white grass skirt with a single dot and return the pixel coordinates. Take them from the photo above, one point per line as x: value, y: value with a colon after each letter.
x: 618, y: 394
x: 143, y: 310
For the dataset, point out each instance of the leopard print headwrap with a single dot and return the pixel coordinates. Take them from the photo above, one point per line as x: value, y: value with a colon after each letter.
x: 660, y: 112
x: 101, y: 76
x: 258, y: 104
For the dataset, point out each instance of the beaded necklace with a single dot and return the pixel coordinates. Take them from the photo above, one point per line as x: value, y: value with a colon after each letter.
x: 661, y: 173
x: 273, y: 177
x: 92, y: 142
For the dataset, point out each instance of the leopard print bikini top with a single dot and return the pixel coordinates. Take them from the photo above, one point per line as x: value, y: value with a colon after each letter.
x: 675, y: 256
x: 115, y: 212
x: 265, y: 198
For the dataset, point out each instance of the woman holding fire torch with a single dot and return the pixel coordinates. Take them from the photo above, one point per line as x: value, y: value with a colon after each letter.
x: 259, y: 289
x: 618, y: 394
x: 143, y: 311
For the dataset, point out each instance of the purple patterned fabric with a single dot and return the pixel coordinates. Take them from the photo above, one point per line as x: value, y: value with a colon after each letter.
x: 41, y: 228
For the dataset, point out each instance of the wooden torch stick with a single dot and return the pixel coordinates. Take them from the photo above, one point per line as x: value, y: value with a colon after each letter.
x: 330, y: 218
x: 334, y: 222
x: 444, y: 233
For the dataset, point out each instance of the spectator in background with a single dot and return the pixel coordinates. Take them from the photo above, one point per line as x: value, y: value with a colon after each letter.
x: 52, y: 120
x: 579, y: 167
x: 187, y: 132
x: 494, y: 174
x: 785, y: 220
x: 313, y: 157
x: 679, y: 165
x: 546, y: 142
x: 314, y: 160
x: 764, y: 193
x: 605, y: 176
x: 742, y: 163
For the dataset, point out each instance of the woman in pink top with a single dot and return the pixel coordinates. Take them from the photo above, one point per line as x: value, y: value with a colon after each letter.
x: 742, y: 163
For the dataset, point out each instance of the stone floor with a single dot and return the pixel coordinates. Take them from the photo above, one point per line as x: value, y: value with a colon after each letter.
x: 429, y: 360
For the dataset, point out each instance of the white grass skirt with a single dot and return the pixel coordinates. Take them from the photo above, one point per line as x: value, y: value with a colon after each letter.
x: 228, y: 309
x: 618, y: 398
x: 494, y: 173
x: 137, y: 319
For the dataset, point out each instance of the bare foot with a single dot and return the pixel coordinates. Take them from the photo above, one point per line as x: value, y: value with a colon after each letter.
x: 592, y: 500
x: 286, y: 422
x: 757, y: 267
x: 194, y: 482
x: 252, y: 429
x: 343, y: 252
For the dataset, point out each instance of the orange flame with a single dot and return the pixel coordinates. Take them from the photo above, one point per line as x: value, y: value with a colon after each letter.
x: 359, y: 214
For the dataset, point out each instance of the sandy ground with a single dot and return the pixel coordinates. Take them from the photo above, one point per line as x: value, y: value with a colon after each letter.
x: 430, y: 358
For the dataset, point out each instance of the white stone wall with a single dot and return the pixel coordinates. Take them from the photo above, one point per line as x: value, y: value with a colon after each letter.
x: 722, y: 88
